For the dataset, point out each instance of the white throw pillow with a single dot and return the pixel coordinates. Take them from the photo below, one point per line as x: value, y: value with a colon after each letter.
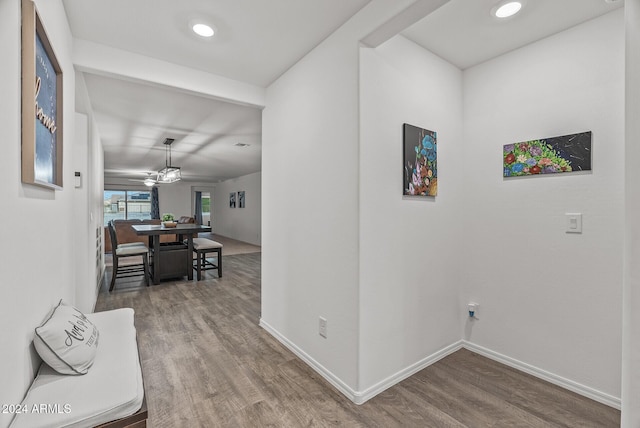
x: 67, y: 340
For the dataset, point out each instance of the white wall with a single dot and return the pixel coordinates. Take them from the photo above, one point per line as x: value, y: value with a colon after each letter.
x: 175, y: 198
x: 238, y: 223
x: 631, y: 329
x: 409, y: 264
x: 37, y: 267
x: 88, y: 201
x: 547, y: 298
x: 85, y: 295
x: 310, y: 158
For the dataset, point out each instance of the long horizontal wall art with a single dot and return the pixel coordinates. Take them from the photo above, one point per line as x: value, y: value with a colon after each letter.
x: 420, y: 161
x: 567, y: 153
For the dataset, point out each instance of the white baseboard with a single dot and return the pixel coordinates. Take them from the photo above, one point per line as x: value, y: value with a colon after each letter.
x: 319, y: 368
x: 360, y: 397
x: 398, y: 377
x: 576, y: 387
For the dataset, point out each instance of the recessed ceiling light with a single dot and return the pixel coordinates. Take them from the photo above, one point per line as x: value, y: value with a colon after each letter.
x: 241, y: 144
x: 202, y: 30
x: 508, y: 9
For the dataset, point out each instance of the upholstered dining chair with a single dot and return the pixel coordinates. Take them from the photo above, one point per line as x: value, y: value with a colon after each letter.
x: 136, y: 249
x: 202, y: 247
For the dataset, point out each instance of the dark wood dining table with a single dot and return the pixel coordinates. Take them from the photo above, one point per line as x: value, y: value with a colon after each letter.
x: 182, y: 231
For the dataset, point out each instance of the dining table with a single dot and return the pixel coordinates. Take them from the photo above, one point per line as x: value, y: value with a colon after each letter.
x: 184, y: 233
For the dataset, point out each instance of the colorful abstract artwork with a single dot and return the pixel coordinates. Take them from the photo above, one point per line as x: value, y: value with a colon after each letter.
x: 567, y: 153
x: 420, y: 161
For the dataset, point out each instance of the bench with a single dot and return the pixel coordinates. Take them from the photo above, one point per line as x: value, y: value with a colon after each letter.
x: 110, y: 395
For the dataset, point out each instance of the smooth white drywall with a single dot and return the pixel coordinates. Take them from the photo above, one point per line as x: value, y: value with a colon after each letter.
x: 175, y: 198
x: 631, y: 329
x: 88, y: 200
x: 84, y: 251
x: 37, y: 267
x: 310, y: 162
x: 409, y: 264
x: 107, y: 61
x: 547, y: 298
x: 238, y: 223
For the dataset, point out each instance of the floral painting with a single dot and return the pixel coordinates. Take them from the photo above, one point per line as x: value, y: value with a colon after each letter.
x: 420, y: 161
x: 548, y: 156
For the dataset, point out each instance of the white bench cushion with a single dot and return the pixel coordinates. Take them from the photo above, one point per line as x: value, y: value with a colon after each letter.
x: 111, y: 390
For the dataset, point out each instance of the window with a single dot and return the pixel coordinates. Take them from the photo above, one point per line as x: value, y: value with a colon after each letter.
x: 126, y: 204
x: 206, y: 204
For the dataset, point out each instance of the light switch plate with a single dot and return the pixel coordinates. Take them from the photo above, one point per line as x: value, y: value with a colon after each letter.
x: 574, y: 222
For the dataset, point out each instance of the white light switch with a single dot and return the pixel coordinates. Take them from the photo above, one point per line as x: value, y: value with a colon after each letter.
x: 574, y: 222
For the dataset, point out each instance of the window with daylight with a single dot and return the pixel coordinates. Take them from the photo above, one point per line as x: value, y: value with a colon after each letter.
x: 126, y: 204
x: 206, y: 204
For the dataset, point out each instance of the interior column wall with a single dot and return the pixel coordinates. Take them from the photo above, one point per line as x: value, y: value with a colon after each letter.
x: 409, y: 268
x: 631, y: 324
x: 548, y: 299
x: 310, y: 158
x: 89, y: 197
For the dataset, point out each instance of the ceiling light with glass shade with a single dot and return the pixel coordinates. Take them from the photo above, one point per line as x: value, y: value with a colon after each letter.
x: 170, y: 173
x: 149, y: 182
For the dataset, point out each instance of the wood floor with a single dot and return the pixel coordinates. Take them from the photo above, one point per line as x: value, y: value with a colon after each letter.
x: 206, y: 363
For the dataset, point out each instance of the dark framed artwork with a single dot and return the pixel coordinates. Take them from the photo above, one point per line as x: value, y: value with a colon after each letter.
x: 41, y: 104
x: 567, y: 153
x: 232, y: 200
x: 241, y: 199
x: 420, y: 161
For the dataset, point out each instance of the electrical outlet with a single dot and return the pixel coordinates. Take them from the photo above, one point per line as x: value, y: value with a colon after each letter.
x: 473, y: 309
x: 322, y: 327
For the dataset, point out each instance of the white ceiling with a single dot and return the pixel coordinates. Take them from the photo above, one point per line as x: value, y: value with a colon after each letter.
x: 134, y: 119
x: 465, y: 33
x: 256, y: 42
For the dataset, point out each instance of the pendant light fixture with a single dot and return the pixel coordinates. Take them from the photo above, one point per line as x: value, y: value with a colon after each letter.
x: 169, y: 174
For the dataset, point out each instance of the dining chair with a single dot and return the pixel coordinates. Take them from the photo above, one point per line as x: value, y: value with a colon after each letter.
x: 202, y: 247
x: 137, y: 249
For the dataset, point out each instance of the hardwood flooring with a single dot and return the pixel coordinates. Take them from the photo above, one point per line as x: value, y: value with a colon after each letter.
x: 207, y: 363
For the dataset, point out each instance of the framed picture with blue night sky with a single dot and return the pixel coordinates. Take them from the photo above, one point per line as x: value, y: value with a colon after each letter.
x: 554, y: 155
x: 41, y: 104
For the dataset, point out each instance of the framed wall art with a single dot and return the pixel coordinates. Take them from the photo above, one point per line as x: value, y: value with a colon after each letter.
x: 232, y: 200
x: 567, y: 153
x: 241, y: 199
x: 420, y: 161
x: 41, y: 104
